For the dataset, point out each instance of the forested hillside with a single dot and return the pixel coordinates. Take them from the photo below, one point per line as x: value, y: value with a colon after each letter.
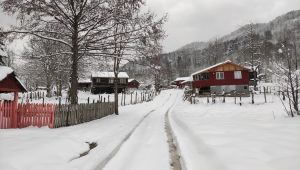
x: 255, y: 45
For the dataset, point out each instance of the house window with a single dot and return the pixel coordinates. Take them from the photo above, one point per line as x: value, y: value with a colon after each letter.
x: 237, y: 75
x: 219, y: 75
x: 98, y: 80
x: 204, y: 76
x: 122, y: 81
x: 111, y: 81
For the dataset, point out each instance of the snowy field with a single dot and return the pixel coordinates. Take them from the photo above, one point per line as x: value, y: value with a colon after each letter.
x: 225, y: 136
x: 221, y: 136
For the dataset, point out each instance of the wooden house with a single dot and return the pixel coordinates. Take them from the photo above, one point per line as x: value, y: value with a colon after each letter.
x: 179, y: 80
x: 9, y: 81
x: 103, y: 82
x: 187, y: 83
x: 133, y: 83
x: 223, y: 77
x: 10, y: 86
x: 84, y: 84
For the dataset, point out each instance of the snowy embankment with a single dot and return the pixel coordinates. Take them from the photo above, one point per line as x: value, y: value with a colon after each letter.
x: 226, y: 136
x: 43, y: 148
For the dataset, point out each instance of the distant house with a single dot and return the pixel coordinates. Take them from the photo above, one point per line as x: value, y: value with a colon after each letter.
x: 103, y: 82
x: 187, y: 82
x: 133, y: 83
x: 84, y: 84
x: 226, y: 76
x: 179, y: 80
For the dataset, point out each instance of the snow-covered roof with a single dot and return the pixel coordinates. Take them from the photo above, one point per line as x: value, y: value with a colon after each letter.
x: 216, y: 65
x: 84, y: 81
x: 20, y: 82
x: 130, y: 80
x: 109, y: 74
x: 188, y: 80
x: 5, y: 71
x: 182, y: 78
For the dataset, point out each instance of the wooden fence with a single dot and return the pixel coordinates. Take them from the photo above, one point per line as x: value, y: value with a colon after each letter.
x: 6, y: 113
x: 53, y: 116
x: 35, y: 115
x: 66, y: 115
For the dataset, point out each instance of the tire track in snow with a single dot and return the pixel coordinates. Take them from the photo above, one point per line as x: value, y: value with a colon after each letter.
x: 103, y: 163
x: 205, y: 156
x: 176, y: 163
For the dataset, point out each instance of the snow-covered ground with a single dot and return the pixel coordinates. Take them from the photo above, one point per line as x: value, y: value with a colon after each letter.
x: 43, y: 148
x: 225, y: 136
x: 221, y: 136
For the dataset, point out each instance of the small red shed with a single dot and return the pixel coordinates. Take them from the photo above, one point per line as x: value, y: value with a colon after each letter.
x: 133, y: 83
x: 9, y: 83
x: 225, y: 77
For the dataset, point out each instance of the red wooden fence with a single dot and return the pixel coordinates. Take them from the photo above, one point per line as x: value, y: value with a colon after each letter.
x: 26, y: 115
x: 6, y: 113
x: 35, y: 115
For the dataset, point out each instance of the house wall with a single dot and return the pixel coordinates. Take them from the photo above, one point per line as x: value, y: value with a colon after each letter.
x: 9, y: 84
x: 228, y: 80
x: 133, y: 84
x: 105, y: 86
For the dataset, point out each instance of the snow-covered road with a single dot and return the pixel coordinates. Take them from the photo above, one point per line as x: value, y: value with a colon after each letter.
x: 221, y: 136
x: 147, y: 148
x: 43, y: 148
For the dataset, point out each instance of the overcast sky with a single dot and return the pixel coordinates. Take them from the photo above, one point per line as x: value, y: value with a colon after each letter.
x: 202, y: 20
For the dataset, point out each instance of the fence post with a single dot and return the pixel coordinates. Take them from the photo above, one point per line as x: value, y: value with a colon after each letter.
x: 88, y: 100
x: 131, y: 98
x: 108, y: 98
x: 252, y: 96
x: 135, y: 97
x: 121, y: 98
x: 124, y: 99
x: 234, y: 97
x: 240, y: 99
x: 265, y: 95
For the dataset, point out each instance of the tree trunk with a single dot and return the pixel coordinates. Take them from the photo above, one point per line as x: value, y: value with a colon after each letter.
x: 74, y: 68
x: 116, y: 95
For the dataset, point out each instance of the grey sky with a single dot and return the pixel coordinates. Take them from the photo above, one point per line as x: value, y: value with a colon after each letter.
x: 201, y: 20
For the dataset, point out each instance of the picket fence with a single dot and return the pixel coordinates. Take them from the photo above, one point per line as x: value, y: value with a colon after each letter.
x: 6, y: 114
x: 35, y: 115
x: 66, y: 115
x: 53, y: 116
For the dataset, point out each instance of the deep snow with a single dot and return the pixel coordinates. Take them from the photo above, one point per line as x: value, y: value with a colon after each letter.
x: 226, y: 136
x: 221, y: 136
x: 43, y: 148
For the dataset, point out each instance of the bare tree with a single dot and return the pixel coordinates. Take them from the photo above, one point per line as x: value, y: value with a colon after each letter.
x: 287, y: 70
x: 82, y: 24
x: 134, y: 34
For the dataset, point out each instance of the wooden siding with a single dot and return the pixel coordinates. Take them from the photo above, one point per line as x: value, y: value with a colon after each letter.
x: 10, y: 84
x: 228, y: 79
